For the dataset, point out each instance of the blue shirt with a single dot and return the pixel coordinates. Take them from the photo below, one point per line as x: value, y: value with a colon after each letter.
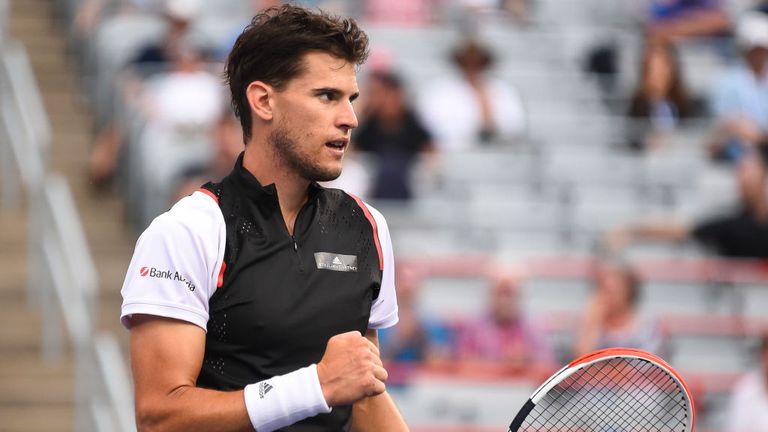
x: 661, y: 10
x: 740, y: 94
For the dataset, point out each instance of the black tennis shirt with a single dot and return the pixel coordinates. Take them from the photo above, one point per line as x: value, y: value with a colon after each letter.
x: 282, y: 296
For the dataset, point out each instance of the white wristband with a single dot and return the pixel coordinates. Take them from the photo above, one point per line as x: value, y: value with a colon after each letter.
x: 285, y: 399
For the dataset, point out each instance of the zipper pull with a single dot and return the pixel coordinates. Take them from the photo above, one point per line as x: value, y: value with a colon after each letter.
x: 295, y: 245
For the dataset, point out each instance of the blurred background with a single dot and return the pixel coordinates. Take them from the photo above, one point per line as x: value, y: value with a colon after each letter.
x: 558, y: 176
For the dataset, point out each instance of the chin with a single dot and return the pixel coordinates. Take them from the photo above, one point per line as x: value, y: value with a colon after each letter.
x: 326, y: 175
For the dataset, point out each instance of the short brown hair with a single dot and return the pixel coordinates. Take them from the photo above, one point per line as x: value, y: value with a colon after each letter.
x: 272, y: 46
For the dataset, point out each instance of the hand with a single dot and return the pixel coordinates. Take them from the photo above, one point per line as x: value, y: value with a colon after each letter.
x: 350, y: 369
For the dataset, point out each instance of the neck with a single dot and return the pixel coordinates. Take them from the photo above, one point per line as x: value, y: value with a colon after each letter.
x: 268, y: 168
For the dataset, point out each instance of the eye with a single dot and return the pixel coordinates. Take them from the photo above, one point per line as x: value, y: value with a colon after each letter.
x: 328, y: 96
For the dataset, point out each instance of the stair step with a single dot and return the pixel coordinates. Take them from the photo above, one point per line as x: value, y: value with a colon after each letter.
x: 24, y: 334
x: 26, y: 364
x: 33, y: 389
x: 37, y: 418
x: 22, y: 26
x: 34, y: 395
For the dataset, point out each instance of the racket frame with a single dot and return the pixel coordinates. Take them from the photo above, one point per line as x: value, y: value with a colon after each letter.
x: 595, y: 357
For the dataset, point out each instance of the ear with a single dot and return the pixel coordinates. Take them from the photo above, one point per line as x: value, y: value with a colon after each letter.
x: 259, y: 96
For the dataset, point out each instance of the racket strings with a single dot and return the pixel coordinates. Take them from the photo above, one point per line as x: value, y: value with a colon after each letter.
x: 616, y: 395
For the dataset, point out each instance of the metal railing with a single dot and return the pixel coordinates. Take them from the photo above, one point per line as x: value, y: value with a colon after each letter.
x: 3, y: 19
x: 64, y: 283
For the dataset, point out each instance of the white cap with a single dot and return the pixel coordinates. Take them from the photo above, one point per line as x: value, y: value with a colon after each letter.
x: 752, y: 30
x: 185, y: 10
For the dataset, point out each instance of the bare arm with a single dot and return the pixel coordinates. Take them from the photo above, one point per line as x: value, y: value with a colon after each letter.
x: 698, y: 23
x: 670, y: 230
x: 166, y: 356
x: 377, y: 413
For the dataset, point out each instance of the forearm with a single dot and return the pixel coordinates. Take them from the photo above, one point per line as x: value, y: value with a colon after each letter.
x: 666, y: 230
x: 377, y: 413
x: 700, y: 23
x: 193, y: 409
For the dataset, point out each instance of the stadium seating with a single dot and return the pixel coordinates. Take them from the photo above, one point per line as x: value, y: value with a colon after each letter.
x: 545, y: 197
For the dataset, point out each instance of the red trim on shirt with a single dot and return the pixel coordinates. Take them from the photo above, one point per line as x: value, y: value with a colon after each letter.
x: 220, y: 282
x: 372, y: 220
x: 210, y: 194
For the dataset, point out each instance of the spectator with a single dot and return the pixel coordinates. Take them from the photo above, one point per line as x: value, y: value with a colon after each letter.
x: 672, y: 20
x: 181, y: 109
x: 742, y: 234
x: 740, y: 100
x: 611, y: 319
x: 393, y: 134
x: 748, y: 409
x: 179, y: 16
x: 228, y: 144
x: 228, y: 41
x: 472, y: 107
x: 480, y: 11
x: 505, y: 334
x: 660, y: 100
x: 416, y: 338
x: 152, y: 58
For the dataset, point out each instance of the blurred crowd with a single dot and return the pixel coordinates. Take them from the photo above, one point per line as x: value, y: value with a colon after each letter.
x: 171, y: 86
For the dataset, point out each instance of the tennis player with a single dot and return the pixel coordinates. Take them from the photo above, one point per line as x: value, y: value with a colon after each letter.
x: 254, y: 303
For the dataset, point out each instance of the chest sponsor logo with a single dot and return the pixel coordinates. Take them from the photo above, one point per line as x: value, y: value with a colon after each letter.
x: 166, y: 274
x: 336, y: 262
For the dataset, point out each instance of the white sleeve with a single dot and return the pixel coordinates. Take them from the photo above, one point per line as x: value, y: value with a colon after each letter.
x: 175, y: 267
x: 384, y: 309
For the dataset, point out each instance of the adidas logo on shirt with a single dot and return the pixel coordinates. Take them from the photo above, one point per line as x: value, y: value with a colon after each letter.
x: 336, y: 262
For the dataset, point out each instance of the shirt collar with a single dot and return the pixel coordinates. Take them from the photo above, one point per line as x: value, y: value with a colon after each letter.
x: 254, y: 189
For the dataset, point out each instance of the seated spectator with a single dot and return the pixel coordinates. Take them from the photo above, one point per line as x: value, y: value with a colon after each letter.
x: 181, y: 108
x: 484, y: 10
x: 748, y: 408
x: 471, y: 107
x: 505, y: 335
x: 228, y: 144
x: 179, y: 15
x: 740, y: 99
x: 673, y: 20
x: 229, y: 37
x: 741, y: 234
x: 152, y: 58
x: 611, y: 319
x: 392, y: 133
x: 415, y: 338
x: 660, y: 100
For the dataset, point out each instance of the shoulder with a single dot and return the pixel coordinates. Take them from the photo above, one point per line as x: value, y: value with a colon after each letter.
x: 339, y: 198
x: 196, y: 215
x: 732, y: 78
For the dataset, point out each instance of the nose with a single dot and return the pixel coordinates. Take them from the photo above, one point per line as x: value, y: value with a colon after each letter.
x: 346, y: 119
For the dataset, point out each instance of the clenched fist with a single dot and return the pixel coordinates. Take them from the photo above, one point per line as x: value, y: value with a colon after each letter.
x: 350, y: 369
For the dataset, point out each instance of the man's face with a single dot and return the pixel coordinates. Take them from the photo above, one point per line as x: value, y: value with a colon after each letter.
x: 504, y: 303
x: 314, y: 117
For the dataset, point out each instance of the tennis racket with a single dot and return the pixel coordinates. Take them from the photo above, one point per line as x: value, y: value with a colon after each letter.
x: 611, y: 390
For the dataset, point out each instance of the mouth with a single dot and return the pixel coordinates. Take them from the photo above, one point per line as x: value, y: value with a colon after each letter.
x: 337, y: 145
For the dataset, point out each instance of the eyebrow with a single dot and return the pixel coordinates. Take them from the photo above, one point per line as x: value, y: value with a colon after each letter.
x: 335, y: 92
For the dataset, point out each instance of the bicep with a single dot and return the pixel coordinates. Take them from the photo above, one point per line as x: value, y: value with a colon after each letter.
x: 166, y: 355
